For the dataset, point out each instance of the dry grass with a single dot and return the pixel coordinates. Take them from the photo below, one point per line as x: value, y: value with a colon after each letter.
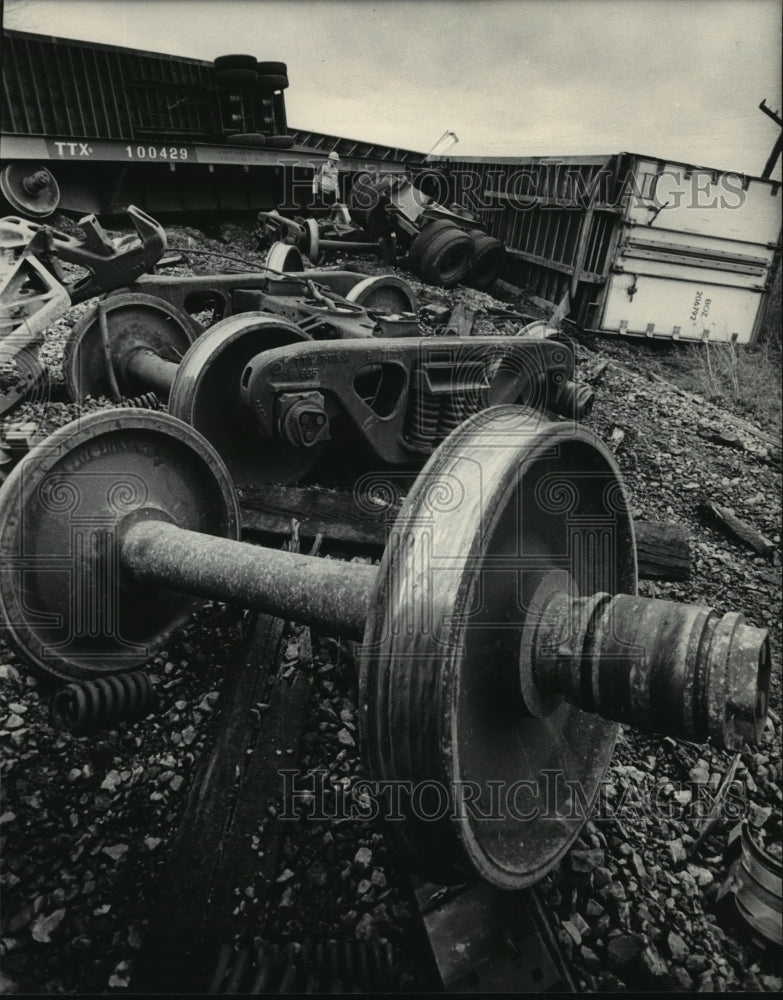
x: 747, y: 379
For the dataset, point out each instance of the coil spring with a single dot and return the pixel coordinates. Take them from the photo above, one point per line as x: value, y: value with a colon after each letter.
x: 322, y: 967
x: 147, y: 401
x: 423, y: 415
x: 453, y: 411
x: 85, y: 706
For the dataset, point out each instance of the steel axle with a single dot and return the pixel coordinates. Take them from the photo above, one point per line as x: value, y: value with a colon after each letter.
x: 142, y: 344
x: 656, y: 665
x: 659, y: 666
x: 324, y: 593
x: 499, y: 633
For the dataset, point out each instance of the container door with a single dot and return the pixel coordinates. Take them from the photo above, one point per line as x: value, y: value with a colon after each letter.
x: 695, y: 255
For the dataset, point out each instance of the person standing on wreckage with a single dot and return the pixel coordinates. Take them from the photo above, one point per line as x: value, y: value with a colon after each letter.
x: 326, y: 180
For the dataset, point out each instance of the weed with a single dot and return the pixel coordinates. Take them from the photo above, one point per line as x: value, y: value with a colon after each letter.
x: 745, y: 379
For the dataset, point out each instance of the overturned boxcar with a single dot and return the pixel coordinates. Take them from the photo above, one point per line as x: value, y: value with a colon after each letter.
x: 640, y: 246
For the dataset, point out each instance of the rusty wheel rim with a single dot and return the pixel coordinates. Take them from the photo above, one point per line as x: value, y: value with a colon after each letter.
x: 440, y: 699
x: 284, y: 258
x: 313, y: 241
x: 206, y: 395
x: 133, y: 320
x: 68, y: 610
x: 30, y: 190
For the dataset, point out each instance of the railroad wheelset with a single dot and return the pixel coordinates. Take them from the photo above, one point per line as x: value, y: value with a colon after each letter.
x: 30, y: 189
x: 307, y: 241
x: 501, y: 633
x: 264, y: 390
x: 150, y: 345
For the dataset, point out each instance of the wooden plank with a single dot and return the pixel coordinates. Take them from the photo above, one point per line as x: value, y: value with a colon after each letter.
x: 333, y: 513
x: 461, y: 321
x: 213, y: 851
x: 737, y: 528
x: 662, y: 550
x: 485, y: 940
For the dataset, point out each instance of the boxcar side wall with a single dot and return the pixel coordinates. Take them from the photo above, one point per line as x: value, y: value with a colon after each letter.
x: 639, y: 246
x: 696, y: 257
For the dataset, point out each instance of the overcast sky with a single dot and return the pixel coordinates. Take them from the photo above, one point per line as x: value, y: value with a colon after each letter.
x: 675, y: 78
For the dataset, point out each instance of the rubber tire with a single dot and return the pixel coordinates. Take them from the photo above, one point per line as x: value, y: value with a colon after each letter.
x: 448, y: 258
x: 230, y: 77
x: 246, y: 139
x: 489, y: 258
x: 423, y: 240
x: 279, y: 141
x: 272, y: 82
x: 224, y: 63
x: 272, y: 69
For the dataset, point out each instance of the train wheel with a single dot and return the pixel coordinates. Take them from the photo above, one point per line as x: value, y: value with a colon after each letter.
x: 508, y: 480
x: 70, y: 497
x: 284, y: 258
x: 29, y: 189
x: 385, y: 294
x: 133, y: 321
x: 205, y: 394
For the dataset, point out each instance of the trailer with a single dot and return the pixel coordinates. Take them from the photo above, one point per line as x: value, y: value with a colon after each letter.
x: 629, y: 244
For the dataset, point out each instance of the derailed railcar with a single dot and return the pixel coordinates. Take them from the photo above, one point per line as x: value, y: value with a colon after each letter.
x: 113, y: 126
x: 640, y: 246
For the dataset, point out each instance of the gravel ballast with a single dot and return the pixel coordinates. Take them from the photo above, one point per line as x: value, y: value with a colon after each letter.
x: 86, y: 822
